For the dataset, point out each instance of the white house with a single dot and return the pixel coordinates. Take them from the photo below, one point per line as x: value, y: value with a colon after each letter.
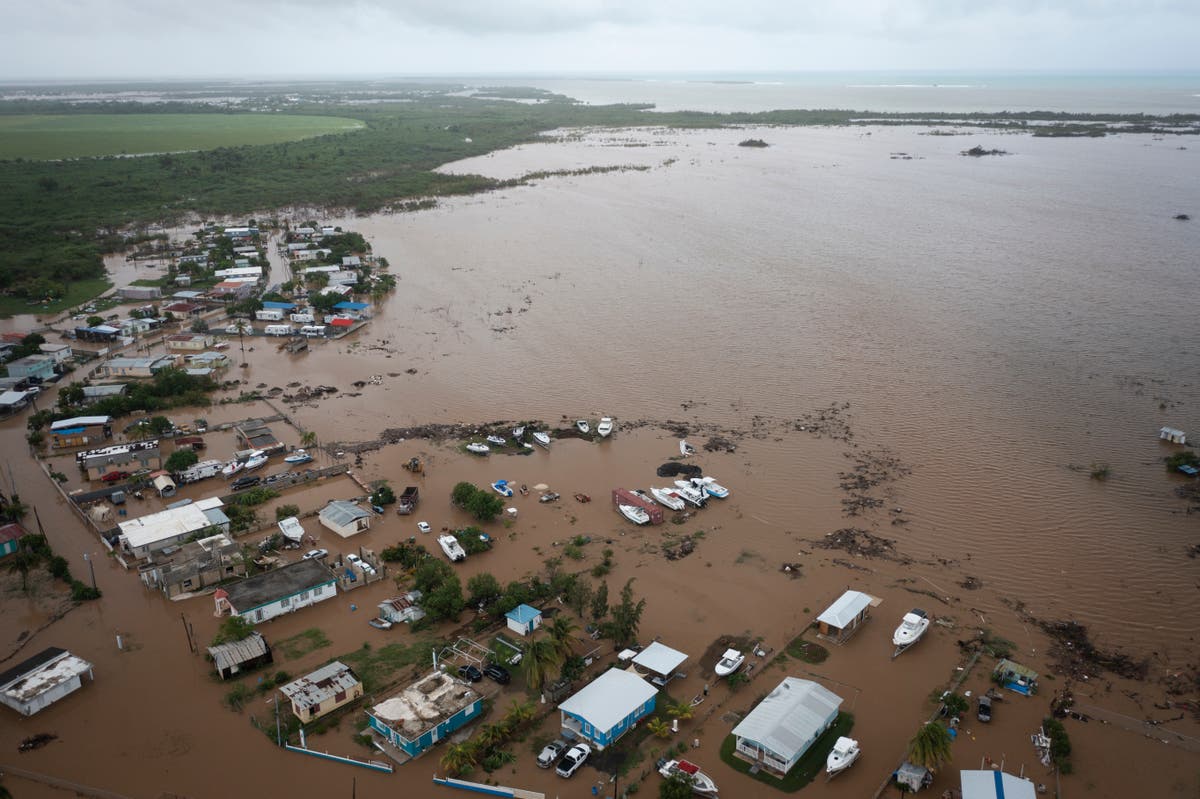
x: 279, y: 591
x: 777, y: 733
x: 607, y: 707
x: 402, y: 608
x: 61, y: 353
x: 42, y: 680
x: 524, y: 619
x: 843, y: 618
x: 992, y: 784
x: 345, y: 518
x: 157, y: 531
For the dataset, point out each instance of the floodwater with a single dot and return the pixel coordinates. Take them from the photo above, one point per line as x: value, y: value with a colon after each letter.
x: 996, y: 326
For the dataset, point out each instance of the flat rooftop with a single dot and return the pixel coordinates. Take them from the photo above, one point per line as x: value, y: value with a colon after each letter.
x: 424, y: 704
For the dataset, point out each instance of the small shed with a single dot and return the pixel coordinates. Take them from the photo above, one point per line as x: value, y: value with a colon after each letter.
x: 1172, y: 434
x: 40, y: 681
x: 661, y: 661
x: 843, y: 618
x: 163, y: 483
x: 238, y: 656
x: 345, y: 518
x: 994, y: 784
x: 1015, y: 677
x: 10, y: 538
x: 405, y: 608
x: 524, y: 619
x: 912, y: 777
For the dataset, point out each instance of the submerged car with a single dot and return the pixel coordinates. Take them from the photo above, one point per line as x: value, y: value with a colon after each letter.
x: 380, y: 624
x: 245, y: 482
x: 572, y: 760
x: 424, y: 527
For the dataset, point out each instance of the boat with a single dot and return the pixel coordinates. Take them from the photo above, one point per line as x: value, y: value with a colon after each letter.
x: 686, y: 449
x: 501, y: 488
x: 452, y: 548
x: 291, y: 529
x: 583, y: 426
x: 730, y: 662
x: 912, y: 627
x: 518, y: 432
x: 668, y: 498
x: 845, y: 751
x: 690, y: 494
x: 299, y: 456
x: 257, y: 460
x: 634, y: 514
x: 543, y: 439
x: 605, y: 428
x: 702, y: 784
x: 478, y: 449
x: 497, y: 440
x: 231, y: 468
x: 711, y: 487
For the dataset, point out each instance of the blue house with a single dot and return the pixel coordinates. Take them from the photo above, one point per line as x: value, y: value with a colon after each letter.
x: 40, y: 367
x: 424, y: 713
x: 524, y: 619
x: 607, y: 707
x: 10, y: 538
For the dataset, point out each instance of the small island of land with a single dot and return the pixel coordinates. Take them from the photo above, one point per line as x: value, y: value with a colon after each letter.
x: 753, y: 143
x: 977, y: 152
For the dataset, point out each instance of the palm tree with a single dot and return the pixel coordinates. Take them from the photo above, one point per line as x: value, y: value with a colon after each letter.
x: 308, y: 439
x: 541, y: 659
x: 562, y: 632
x: 459, y: 758
x: 22, y: 561
x: 681, y: 710
x: 930, y: 747
x: 491, y: 735
x: 659, y: 727
x: 520, y: 713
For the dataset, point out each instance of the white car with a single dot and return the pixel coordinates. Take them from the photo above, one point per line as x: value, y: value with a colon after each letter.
x: 550, y: 753
x: 424, y: 527
x: 366, y: 568
x: 572, y: 760
x: 316, y: 553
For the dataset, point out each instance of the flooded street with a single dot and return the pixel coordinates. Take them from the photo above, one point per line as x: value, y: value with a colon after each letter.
x: 976, y: 335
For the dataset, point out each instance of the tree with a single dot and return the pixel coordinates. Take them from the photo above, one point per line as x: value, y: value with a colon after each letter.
x: 199, y: 325
x: 70, y: 395
x: 446, y: 600
x: 460, y: 758
x: 930, y: 747
x: 308, y: 439
x: 520, y: 713
x: 600, y: 603
x: 681, y: 710
x: 430, y: 574
x: 659, y: 727
x: 484, y: 506
x: 676, y: 786
x: 160, y: 425
x: 21, y: 562
x: 578, y: 597
x: 95, y: 321
x: 462, y: 492
x: 540, y: 661
x: 483, y: 589
x: 181, y: 459
x: 284, y: 511
x: 626, y: 617
x: 234, y: 628
x: 562, y: 632
x: 491, y: 735
x: 384, y: 495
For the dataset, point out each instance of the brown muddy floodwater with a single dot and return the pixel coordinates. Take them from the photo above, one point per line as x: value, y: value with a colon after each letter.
x: 976, y: 333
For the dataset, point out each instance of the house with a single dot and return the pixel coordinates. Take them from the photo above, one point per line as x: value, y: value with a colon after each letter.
x: 207, y: 360
x: 232, y: 290
x: 120, y: 458
x: 10, y: 538
x: 275, y: 305
x: 843, y: 618
x: 100, y: 333
x: 155, y: 532
x: 1172, y: 434
x: 188, y: 296
x: 322, y: 691
x: 13, y: 401
x: 402, y: 608
x: 240, y: 232
x: 61, y: 353
x: 781, y: 728
x: 424, y: 713
x: 35, y: 367
x: 345, y: 518
x: 80, y: 431
x: 238, y: 656
x: 103, y: 391
x: 351, y: 261
x: 351, y: 309
x: 181, y: 571
x: 139, y: 292
x: 135, y: 367
x: 340, y: 290
x: 660, y: 661
x: 1015, y: 677
x: 246, y: 272
x: 524, y: 619
x: 993, y: 784
x: 184, y: 308
x: 190, y: 342
x: 343, y: 278
x: 134, y: 327
x: 42, y: 680
x: 607, y: 707
x: 255, y: 434
x: 279, y: 591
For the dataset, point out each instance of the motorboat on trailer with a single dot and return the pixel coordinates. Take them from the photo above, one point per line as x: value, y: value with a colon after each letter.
x: 710, y: 487
x: 299, y: 456
x: 583, y: 426
x: 634, y: 514
x: 912, y: 627
x: 605, y: 428
x: 730, y: 662
x: 669, y: 498
x: 257, y: 460
x: 452, y: 548
x: 502, y: 488
x: 691, y: 494
x: 845, y: 751
x: 232, y: 468
x: 702, y: 784
x: 543, y: 439
x: 478, y: 449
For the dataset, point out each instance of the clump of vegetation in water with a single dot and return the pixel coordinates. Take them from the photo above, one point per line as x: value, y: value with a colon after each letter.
x: 753, y: 143
x: 1101, y: 471
x: 978, y: 152
x: 1184, y: 458
x: 1060, y: 744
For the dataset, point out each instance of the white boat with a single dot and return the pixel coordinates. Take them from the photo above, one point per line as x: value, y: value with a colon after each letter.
x: 711, y: 487
x: 691, y: 494
x: 912, y: 627
x: 257, y: 460
x: 637, y: 492
x: 842, y: 756
x: 501, y: 488
x: 452, y: 548
x: 542, y: 439
x: 583, y: 426
x: 497, y: 440
x: 291, y: 529
x: 605, y: 428
x: 668, y: 497
x: 231, y: 468
x: 634, y: 514
x: 686, y: 449
x: 702, y: 784
x: 518, y: 432
x: 299, y: 456
x: 730, y: 662
x: 478, y: 449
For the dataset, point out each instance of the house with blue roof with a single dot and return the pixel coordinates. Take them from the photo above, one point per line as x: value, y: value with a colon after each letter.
x: 282, y: 306
x: 607, y: 707
x: 349, y: 306
x: 524, y: 619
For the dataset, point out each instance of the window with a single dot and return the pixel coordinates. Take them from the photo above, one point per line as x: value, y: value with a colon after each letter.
x: 340, y: 696
x: 187, y: 583
x: 287, y: 600
x: 303, y: 595
x: 258, y: 615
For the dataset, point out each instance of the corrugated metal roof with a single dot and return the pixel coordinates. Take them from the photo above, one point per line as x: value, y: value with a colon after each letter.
x: 659, y: 658
x: 79, y: 421
x: 523, y: 614
x: 237, y: 652
x: 790, y: 716
x: 609, y: 698
x: 340, y: 513
x: 843, y: 611
x: 315, y: 688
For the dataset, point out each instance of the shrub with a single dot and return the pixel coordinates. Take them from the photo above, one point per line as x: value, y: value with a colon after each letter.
x: 284, y: 511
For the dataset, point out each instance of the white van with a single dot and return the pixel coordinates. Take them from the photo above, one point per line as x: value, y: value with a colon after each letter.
x: 305, y: 318
x: 278, y: 330
x: 312, y: 331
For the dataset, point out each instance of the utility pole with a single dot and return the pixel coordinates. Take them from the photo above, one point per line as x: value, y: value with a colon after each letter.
x: 92, y: 568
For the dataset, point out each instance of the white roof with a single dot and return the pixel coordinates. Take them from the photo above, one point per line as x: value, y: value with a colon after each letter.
x: 339, y: 512
x: 327, y: 681
x: 12, y: 397
x: 995, y: 785
x: 789, y: 716
x: 169, y: 523
x: 609, y: 698
x: 843, y: 611
x: 79, y: 421
x: 659, y: 658
x: 49, y: 675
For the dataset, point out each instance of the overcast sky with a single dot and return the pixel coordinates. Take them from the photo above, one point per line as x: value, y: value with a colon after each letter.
x: 243, y: 38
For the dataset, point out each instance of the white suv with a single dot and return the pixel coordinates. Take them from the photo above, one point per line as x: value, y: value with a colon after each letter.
x: 572, y: 760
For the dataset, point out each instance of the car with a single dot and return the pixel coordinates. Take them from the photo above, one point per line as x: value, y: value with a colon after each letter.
x: 314, y: 554
x: 33, y: 391
x: 497, y: 673
x: 113, y: 477
x: 572, y: 760
x: 380, y: 624
x: 248, y: 481
x: 355, y: 559
x: 550, y: 753
x: 469, y: 672
x: 984, y: 713
x: 424, y: 527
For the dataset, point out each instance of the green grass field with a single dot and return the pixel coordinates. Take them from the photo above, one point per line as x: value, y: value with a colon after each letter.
x: 45, y: 137
x: 78, y: 292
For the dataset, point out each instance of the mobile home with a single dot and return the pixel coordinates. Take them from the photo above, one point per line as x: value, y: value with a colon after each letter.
x: 278, y: 330
x: 313, y: 331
